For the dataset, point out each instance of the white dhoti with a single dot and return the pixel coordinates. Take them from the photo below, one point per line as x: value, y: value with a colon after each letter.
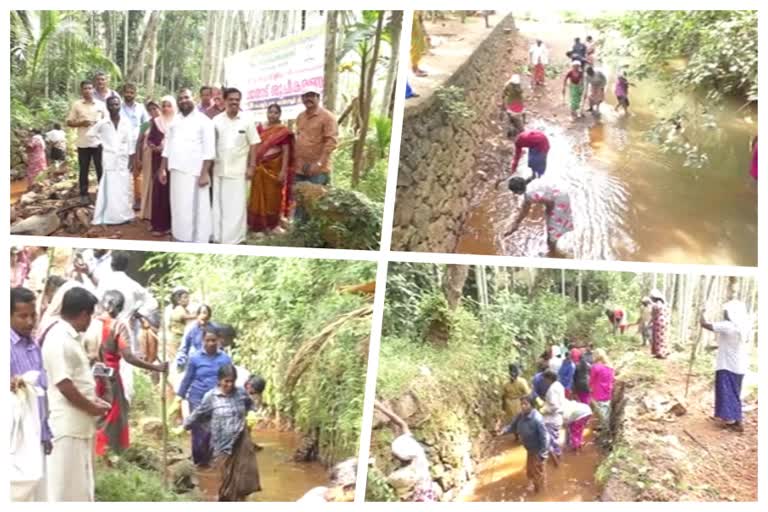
x: 230, y: 205
x: 114, y: 200
x: 190, y: 209
x: 70, y: 470
x: 27, y: 456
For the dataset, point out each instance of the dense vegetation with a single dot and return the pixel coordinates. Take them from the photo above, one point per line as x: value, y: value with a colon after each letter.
x: 281, y: 307
x: 449, y: 333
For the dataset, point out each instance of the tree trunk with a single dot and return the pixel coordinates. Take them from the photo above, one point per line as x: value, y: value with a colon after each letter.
x: 152, y: 65
x: 581, y: 289
x: 562, y: 282
x: 149, y: 33
x: 106, y: 18
x: 244, y: 33
x: 453, y: 283
x: 329, y: 72
x: 226, y: 26
x: 126, y: 19
x: 397, y: 28
x: 358, y: 156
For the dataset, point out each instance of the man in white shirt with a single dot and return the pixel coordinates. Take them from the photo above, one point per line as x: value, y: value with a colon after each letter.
x: 114, y: 200
x: 236, y: 138
x: 58, y: 141
x: 189, y: 151
x: 72, y: 401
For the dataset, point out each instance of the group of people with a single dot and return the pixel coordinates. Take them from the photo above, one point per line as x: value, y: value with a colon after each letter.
x: 568, y: 386
x: 72, y: 388
x: 185, y: 167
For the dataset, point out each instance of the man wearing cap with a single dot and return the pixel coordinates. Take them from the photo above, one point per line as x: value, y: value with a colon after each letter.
x: 316, y: 138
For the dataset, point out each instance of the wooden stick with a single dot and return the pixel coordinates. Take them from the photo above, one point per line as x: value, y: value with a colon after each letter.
x: 163, y: 389
x: 695, y: 344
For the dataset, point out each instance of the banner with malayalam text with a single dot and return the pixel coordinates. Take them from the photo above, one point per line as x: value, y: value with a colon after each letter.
x: 278, y: 72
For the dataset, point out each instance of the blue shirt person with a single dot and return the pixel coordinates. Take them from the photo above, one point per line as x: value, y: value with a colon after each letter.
x: 193, y: 339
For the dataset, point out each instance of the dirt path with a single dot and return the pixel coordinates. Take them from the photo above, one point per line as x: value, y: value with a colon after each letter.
x: 666, y: 457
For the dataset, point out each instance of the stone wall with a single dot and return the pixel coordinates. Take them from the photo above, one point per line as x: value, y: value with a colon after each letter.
x: 437, y: 153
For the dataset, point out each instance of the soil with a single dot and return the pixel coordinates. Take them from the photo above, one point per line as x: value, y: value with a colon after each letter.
x: 685, y: 457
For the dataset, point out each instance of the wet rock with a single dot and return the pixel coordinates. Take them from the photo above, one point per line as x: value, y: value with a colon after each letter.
x: 678, y: 409
x: 407, y: 406
x: 37, y: 225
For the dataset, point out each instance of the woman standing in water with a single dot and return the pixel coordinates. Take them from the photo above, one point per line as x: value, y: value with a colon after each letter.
x: 272, y: 180
x: 224, y: 409
x: 515, y: 389
x: 200, y: 377
x: 574, y: 81
x: 556, y: 201
x: 732, y: 363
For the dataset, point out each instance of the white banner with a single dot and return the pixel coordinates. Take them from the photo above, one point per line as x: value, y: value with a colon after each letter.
x: 278, y: 72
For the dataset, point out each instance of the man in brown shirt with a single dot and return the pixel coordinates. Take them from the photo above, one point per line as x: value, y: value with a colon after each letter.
x: 316, y: 138
x: 83, y: 114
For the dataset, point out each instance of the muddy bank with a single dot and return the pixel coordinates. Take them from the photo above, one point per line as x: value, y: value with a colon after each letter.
x: 668, y: 449
x: 437, y: 174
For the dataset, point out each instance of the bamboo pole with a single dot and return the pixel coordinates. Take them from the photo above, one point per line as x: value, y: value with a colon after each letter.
x: 163, y: 391
x: 695, y: 344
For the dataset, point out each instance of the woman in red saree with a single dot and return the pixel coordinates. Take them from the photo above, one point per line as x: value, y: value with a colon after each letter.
x: 271, y: 183
x: 161, y: 193
x: 113, y: 432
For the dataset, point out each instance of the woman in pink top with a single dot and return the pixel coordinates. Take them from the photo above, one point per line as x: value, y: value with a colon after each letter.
x: 601, y: 378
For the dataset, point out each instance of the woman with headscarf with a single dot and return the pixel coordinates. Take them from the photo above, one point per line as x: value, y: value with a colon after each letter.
x: 144, y: 161
x: 161, y: 192
x: 557, y: 205
x: 658, y: 325
x: 52, y: 313
x: 732, y: 336
x: 412, y: 482
x: 513, y: 390
x: 115, y: 346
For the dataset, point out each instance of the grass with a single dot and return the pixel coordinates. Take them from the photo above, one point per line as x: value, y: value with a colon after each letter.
x: 125, y: 482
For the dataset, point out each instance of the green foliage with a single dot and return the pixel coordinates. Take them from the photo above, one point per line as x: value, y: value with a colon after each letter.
x: 373, y: 181
x: 452, y: 103
x: 377, y: 488
x: 126, y: 482
x: 719, y: 49
x: 277, y: 304
x: 344, y: 219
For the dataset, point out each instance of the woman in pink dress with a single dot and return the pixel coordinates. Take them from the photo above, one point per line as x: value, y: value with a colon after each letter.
x: 601, y: 379
x: 36, y: 162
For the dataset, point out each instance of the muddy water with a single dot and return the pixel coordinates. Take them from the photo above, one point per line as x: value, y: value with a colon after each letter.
x: 18, y: 188
x: 502, y: 477
x: 631, y: 201
x: 281, y: 478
